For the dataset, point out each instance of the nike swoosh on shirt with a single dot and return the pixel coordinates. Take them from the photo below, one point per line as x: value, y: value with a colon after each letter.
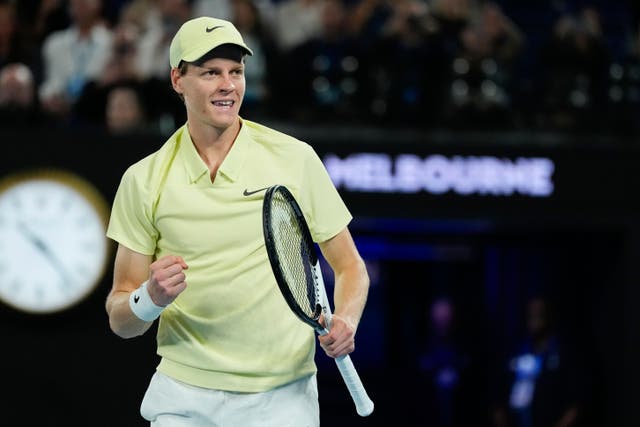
x: 248, y: 193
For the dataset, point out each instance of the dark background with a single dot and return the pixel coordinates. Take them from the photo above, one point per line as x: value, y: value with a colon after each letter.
x: 580, y: 247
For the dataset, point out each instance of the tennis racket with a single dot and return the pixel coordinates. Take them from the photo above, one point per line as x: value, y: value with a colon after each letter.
x: 297, y: 271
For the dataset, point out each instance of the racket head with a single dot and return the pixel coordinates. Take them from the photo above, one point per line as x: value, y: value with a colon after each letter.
x: 292, y: 254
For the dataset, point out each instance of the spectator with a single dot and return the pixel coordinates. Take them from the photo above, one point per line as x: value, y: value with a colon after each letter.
x: 123, y: 57
x: 330, y: 77
x: 163, y: 18
x: 452, y: 17
x: 483, y: 80
x: 134, y: 32
x: 13, y: 45
x: 450, y: 394
x: 295, y: 22
x: 505, y: 38
x: 125, y: 111
x: 142, y: 14
x: 120, y: 67
x: 18, y: 102
x: 410, y: 66
x: 222, y: 9
x: 541, y: 385
x: 367, y: 18
x: 573, y: 65
x: 261, y: 70
x: 73, y: 56
x: 39, y: 18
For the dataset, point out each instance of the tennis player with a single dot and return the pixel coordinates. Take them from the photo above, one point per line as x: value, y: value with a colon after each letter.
x: 191, y: 253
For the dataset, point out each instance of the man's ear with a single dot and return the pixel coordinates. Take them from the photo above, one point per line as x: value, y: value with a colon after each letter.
x: 176, y: 76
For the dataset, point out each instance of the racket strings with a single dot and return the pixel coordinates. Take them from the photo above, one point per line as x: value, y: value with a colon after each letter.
x: 295, y: 258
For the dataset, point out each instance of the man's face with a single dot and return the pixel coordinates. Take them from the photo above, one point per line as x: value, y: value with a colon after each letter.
x: 212, y: 91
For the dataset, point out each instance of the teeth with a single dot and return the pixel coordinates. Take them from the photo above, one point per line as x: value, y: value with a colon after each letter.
x: 223, y: 103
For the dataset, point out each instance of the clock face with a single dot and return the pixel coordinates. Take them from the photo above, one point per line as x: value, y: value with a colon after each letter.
x: 53, y: 249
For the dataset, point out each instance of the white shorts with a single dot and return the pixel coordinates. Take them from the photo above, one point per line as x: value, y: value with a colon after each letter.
x: 170, y: 403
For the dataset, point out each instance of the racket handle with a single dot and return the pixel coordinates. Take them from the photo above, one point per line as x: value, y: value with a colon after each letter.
x: 364, y: 405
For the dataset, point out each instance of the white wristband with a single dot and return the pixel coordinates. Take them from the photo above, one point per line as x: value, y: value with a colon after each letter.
x: 142, y: 305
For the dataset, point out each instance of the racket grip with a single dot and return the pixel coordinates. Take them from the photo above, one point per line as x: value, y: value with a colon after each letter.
x: 364, y: 405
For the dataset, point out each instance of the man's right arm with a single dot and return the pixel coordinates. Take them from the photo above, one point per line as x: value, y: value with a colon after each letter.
x: 163, y: 279
x: 131, y: 269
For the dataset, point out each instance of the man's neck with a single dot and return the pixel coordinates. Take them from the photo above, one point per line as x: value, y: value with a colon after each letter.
x: 213, y: 144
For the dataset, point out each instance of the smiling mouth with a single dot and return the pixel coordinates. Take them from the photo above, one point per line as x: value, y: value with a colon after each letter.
x: 226, y: 104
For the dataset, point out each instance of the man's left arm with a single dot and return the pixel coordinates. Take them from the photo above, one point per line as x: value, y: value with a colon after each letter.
x: 350, y: 293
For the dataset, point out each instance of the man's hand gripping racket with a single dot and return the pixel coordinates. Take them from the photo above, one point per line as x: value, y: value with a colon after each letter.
x: 297, y: 271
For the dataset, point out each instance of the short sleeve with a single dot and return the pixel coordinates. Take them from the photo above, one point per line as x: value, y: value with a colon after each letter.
x: 325, y: 211
x: 131, y: 221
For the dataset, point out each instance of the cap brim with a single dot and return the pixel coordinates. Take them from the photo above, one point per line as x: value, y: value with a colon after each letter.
x: 202, y: 50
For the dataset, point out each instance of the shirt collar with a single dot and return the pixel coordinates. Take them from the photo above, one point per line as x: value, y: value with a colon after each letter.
x: 232, y: 164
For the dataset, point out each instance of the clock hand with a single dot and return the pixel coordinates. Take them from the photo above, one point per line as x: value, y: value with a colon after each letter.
x: 45, y: 250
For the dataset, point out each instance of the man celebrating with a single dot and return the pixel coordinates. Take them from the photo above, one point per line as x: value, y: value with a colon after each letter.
x: 187, y: 220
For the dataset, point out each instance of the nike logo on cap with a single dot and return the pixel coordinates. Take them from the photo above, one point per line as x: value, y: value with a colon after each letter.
x: 136, y: 298
x: 208, y: 30
x: 248, y: 193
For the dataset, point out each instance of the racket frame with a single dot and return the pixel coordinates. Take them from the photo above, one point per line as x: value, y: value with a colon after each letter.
x: 364, y: 405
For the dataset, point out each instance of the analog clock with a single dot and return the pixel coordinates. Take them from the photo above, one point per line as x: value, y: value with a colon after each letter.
x: 53, y: 248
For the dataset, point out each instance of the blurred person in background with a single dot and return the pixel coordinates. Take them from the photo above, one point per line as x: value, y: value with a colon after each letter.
x: 120, y: 67
x: 38, y: 19
x: 163, y: 18
x: 330, y: 80
x: 371, y: 20
x: 45, y: 16
x: 220, y: 8
x: 483, y: 71
x: 450, y: 388
x: 452, y: 17
x: 137, y: 25
x: 296, y: 21
x: 141, y: 14
x: 73, y: 56
x: 409, y: 66
x: 261, y: 71
x: 18, y: 98
x: 122, y: 63
x: 505, y: 38
x: 125, y: 111
x: 224, y: 9
x: 366, y: 19
x: 13, y: 44
x: 157, y: 22
x: 573, y: 66
x: 412, y: 45
x: 542, y: 383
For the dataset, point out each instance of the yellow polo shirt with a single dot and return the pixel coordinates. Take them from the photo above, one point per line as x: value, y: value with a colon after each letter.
x: 231, y: 328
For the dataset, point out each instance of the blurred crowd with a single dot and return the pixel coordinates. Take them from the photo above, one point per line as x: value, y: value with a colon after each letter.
x: 461, y: 64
